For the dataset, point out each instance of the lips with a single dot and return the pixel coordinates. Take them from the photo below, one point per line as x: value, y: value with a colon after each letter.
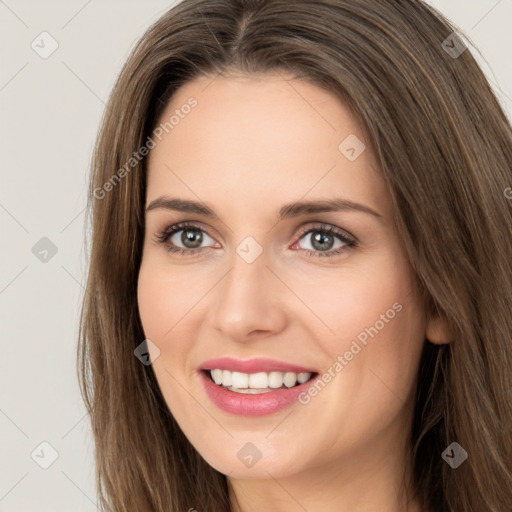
x: 253, y: 401
x: 253, y: 365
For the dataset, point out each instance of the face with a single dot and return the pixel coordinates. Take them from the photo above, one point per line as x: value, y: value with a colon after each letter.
x: 306, y: 315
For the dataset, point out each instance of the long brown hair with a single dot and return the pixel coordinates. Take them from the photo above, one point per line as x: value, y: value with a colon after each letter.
x: 445, y: 150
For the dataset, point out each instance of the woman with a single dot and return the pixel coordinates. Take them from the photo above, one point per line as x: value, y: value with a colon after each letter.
x: 300, y: 280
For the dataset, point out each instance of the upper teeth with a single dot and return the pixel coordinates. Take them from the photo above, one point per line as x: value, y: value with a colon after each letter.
x: 261, y: 380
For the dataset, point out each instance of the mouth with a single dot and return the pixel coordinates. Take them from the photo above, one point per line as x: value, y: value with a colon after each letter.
x: 257, y: 383
x: 255, y: 387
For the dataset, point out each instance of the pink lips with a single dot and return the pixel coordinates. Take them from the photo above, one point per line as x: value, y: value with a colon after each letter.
x: 246, y: 404
x: 253, y: 365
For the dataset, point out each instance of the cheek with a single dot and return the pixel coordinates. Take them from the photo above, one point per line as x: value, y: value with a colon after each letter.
x: 164, y: 298
x: 377, y: 324
x: 390, y: 332
x: 163, y: 307
x: 354, y: 304
x: 163, y: 303
x: 153, y: 302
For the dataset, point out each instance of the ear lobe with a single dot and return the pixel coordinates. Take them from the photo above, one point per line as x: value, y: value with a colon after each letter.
x: 438, y: 330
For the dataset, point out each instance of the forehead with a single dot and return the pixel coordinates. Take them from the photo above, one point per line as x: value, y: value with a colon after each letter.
x: 255, y: 136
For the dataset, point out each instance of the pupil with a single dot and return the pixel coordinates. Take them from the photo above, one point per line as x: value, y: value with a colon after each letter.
x: 190, y: 236
x: 319, y: 240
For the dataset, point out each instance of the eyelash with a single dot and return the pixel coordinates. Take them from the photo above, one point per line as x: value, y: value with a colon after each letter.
x: 349, y: 241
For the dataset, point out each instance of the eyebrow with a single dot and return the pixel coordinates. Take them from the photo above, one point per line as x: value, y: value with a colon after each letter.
x: 287, y: 211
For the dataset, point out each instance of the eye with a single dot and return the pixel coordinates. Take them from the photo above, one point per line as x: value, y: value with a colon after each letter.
x: 322, y: 240
x: 191, y: 238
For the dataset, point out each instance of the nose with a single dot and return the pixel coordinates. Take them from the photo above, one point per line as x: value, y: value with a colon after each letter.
x: 249, y: 301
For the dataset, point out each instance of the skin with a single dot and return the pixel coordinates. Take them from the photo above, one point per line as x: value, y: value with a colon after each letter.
x: 252, y: 144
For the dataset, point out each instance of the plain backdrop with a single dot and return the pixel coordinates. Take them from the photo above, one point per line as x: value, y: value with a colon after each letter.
x: 50, y: 113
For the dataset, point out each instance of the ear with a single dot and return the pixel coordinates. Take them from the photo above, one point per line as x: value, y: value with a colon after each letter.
x: 438, y: 330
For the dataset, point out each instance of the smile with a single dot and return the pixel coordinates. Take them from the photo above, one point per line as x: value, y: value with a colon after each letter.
x: 255, y: 387
x: 255, y: 383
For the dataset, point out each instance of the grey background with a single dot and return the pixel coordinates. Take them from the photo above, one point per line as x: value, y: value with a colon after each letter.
x: 50, y: 111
